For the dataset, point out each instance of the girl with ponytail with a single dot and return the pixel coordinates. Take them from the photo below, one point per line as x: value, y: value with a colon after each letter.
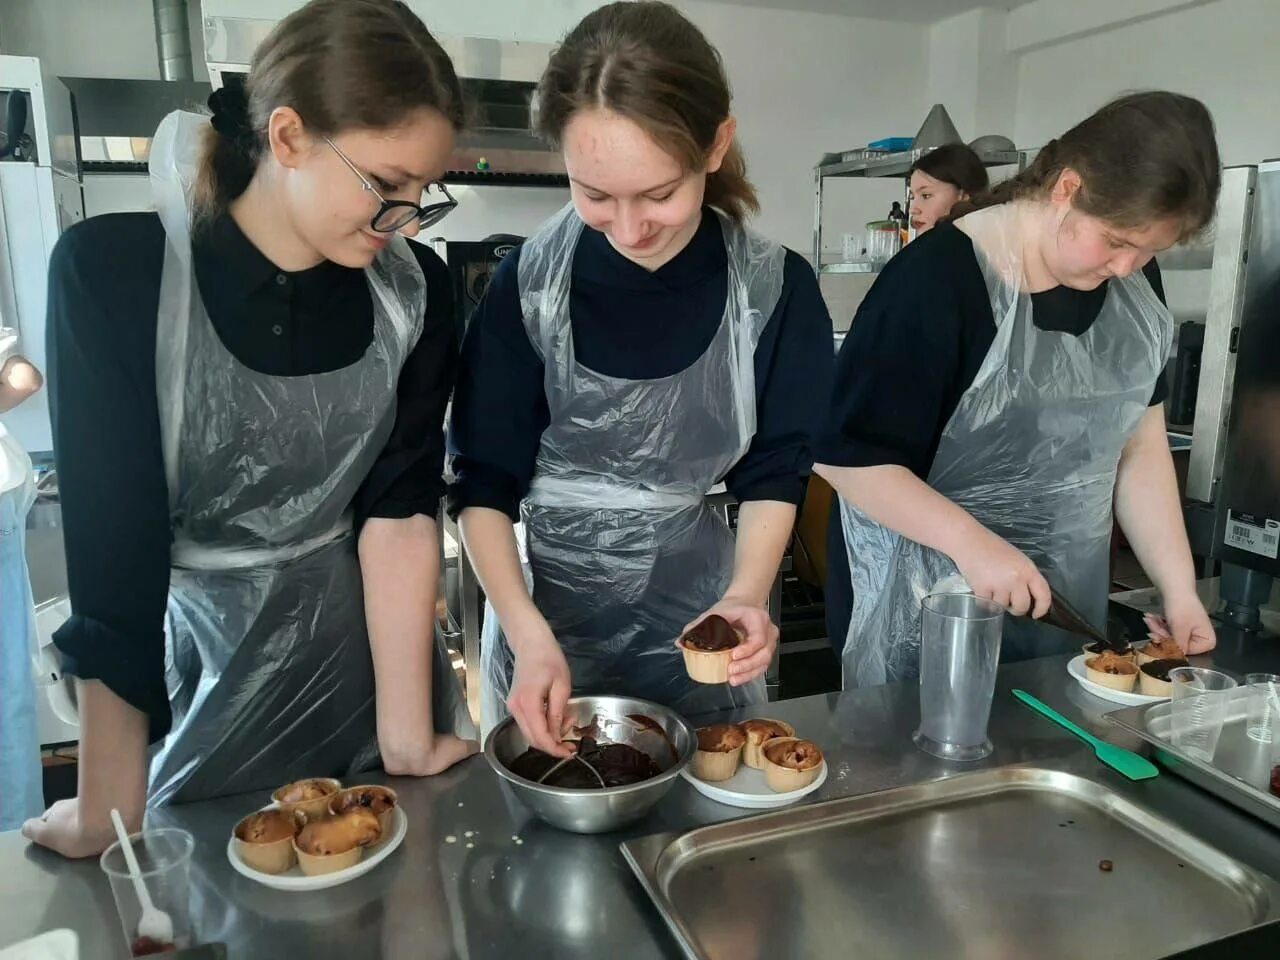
x: 1000, y: 397
x: 249, y: 388
x: 641, y: 347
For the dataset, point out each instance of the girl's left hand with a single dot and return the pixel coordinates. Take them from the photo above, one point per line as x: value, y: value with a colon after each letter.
x: 751, y: 658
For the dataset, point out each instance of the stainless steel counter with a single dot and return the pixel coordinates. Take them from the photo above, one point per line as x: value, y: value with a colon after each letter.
x: 552, y: 894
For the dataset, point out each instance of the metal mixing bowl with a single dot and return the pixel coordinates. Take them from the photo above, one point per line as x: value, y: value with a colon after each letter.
x: 598, y: 811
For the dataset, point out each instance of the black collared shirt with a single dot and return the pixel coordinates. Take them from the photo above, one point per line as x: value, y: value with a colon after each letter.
x: 632, y: 323
x: 104, y: 283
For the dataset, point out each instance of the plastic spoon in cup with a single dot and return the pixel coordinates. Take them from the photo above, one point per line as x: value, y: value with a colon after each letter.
x: 155, y: 924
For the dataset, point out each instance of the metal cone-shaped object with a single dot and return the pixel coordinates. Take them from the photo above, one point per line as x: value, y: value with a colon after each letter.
x: 936, y: 130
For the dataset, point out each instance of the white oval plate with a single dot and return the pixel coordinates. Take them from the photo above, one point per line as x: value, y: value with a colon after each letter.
x: 1076, y: 669
x: 748, y: 788
x: 293, y: 878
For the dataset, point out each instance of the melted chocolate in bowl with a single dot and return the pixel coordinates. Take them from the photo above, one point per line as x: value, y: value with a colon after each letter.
x: 617, y: 763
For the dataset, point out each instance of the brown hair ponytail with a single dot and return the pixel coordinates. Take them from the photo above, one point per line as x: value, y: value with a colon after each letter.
x: 340, y: 64
x: 644, y: 61
x: 1142, y: 158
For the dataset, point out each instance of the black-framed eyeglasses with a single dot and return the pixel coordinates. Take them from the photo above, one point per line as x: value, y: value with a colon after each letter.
x: 393, y: 215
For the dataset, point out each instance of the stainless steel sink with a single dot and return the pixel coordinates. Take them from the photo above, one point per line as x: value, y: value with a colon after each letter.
x: 1011, y: 863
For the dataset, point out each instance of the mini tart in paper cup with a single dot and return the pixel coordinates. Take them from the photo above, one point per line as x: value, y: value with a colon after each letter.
x: 759, y: 732
x: 719, y: 752
x: 1157, y: 648
x: 791, y: 763
x: 1153, y: 676
x: 309, y: 797
x: 335, y: 843
x: 264, y: 840
x: 381, y: 800
x: 1094, y: 650
x: 1112, y: 671
x: 708, y: 649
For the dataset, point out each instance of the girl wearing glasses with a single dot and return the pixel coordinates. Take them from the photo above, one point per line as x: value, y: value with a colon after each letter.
x: 639, y: 348
x: 248, y: 394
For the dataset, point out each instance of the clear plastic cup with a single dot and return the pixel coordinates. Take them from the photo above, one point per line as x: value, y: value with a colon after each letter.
x: 959, y: 652
x: 164, y: 860
x: 1199, y: 709
x: 1262, y: 720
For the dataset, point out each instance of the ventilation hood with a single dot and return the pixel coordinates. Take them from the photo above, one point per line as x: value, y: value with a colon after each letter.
x: 116, y: 118
x: 499, y: 78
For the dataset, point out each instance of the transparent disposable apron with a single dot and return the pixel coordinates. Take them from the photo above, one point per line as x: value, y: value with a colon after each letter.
x: 268, y: 665
x: 1031, y: 452
x: 623, y: 548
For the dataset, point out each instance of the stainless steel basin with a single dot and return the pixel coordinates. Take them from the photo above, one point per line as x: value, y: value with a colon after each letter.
x: 1015, y: 862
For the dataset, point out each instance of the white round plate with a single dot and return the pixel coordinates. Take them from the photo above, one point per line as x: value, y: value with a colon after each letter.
x: 748, y: 788
x: 1076, y: 669
x: 293, y: 878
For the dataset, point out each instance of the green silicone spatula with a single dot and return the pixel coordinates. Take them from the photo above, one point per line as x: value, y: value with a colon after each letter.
x: 1117, y: 758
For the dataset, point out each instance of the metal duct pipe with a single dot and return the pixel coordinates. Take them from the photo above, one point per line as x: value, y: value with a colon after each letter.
x: 173, y: 40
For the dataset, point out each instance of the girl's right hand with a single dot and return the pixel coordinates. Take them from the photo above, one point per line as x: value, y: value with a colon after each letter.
x: 999, y: 571
x: 540, y: 688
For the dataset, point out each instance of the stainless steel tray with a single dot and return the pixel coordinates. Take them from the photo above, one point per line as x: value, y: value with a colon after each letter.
x: 1241, y: 769
x: 1005, y: 863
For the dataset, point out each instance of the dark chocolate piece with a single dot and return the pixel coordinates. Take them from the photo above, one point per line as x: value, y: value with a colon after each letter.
x: 1119, y: 646
x: 712, y: 634
x: 1159, y: 669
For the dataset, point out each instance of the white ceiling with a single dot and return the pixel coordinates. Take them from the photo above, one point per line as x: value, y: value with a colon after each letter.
x: 915, y: 11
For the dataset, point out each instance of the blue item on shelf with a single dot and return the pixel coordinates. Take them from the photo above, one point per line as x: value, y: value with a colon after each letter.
x: 892, y: 144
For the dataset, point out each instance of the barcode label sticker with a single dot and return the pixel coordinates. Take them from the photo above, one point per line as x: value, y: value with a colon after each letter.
x: 1257, y: 535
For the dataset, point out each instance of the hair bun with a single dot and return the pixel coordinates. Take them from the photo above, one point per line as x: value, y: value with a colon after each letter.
x: 230, y: 109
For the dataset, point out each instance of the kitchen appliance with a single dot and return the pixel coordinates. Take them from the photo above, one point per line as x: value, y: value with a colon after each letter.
x: 1233, y: 473
x: 40, y: 196
x: 471, y: 266
x: 499, y: 78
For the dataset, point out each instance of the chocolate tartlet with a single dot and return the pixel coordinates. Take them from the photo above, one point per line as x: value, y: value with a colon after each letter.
x: 1121, y: 648
x: 758, y: 733
x: 1154, y: 676
x: 791, y: 763
x: 708, y: 649
x: 264, y: 840
x: 719, y: 752
x: 1112, y: 671
x: 309, y: 797
x: 335, y: 843
x: 381, y: 800
x: 1160, y: 648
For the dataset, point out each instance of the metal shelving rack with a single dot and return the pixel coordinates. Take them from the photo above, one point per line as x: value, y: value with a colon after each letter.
x: 879, y: 164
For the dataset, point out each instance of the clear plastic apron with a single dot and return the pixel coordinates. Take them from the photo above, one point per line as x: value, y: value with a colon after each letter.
x: 623, y: 548
x: 1031, y: 452
x: 268, y: 665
